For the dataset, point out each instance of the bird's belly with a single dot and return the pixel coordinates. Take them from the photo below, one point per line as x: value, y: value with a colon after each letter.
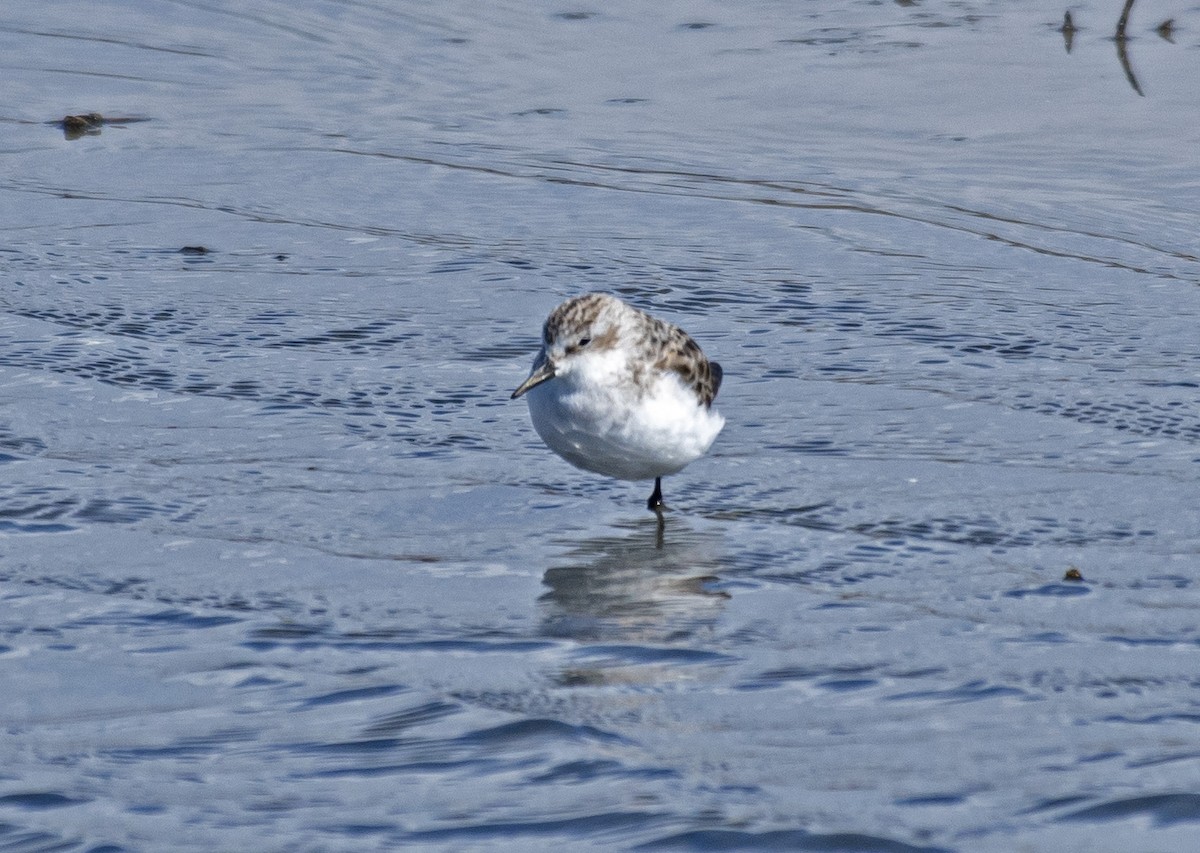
x: 630, y: 439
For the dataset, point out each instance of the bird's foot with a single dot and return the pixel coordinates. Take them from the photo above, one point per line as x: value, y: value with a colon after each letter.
x: 655, y: 503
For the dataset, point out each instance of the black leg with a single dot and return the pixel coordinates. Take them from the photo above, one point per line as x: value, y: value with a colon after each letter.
x: 655, y: 504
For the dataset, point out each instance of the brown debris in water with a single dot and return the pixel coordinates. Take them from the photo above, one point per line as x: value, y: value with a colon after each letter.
x: 89, y: 124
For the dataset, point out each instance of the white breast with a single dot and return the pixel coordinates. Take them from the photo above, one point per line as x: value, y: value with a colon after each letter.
x: 620, y: 431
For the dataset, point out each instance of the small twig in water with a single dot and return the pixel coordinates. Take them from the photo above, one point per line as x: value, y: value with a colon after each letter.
x: 1124, y: 20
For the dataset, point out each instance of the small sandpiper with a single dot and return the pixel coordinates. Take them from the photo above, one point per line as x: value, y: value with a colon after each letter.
x: 616, y: 391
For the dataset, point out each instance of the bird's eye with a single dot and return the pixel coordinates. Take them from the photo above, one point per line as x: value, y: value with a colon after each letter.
x: 575, y: 347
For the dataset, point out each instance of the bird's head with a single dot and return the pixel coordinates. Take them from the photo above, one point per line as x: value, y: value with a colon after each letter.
x: 580, y: 334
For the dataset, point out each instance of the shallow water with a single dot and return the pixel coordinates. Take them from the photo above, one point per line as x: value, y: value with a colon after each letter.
x: 282, y: 566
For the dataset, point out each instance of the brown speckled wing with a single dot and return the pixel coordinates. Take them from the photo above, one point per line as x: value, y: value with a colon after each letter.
x: 717, y: 375
x: 684, y: 356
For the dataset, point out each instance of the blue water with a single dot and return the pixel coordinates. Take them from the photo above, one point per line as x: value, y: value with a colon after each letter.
x: 283, y: 568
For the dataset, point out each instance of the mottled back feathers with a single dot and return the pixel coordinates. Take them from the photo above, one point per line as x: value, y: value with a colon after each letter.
x: 676, y: 350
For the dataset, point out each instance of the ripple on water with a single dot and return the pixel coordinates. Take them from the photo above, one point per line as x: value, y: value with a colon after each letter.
x: 601, y: 826
x: 531, y: 745
x: 1167, y: 809
x: 784, y: 839
x: 54, y: 509
x: 40, y: 800
x: 240, y: 352
x: 397, y: 722
x: 18, y: 839
x: 829, y: 676
x: 971, y: 691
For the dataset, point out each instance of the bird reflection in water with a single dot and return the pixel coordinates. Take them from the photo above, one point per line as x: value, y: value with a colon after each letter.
x: 641, y: 606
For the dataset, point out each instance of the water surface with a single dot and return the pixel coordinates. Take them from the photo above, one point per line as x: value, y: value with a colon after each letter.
x: 283, y: 567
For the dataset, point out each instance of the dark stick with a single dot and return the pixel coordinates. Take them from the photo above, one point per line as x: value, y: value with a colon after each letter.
x: 1124, y: 20
x: 1123, y: 58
